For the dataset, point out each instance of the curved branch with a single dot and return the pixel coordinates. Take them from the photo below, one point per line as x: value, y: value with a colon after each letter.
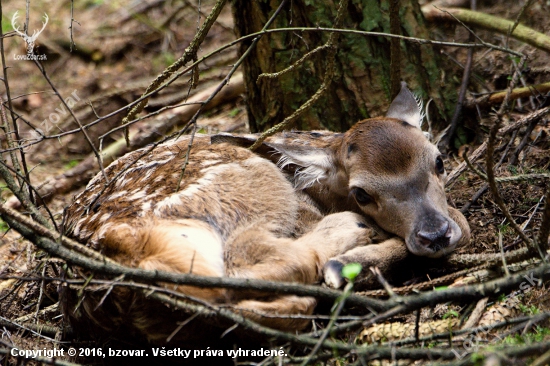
x: 489, y: 22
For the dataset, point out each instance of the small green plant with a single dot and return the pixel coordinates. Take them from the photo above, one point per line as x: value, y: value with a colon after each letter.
x: 477, y: 358
x: 71, y: 164
x: 504, y: 228
x: 528, y: 310
x: 451, y: 313
x: 351, y: 271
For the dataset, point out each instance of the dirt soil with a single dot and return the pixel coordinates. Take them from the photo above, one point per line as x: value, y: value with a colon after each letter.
x: 120, y: 47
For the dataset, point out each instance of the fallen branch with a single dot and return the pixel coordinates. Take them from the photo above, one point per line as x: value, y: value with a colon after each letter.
x: 517, y: 93
x: 489, y: 22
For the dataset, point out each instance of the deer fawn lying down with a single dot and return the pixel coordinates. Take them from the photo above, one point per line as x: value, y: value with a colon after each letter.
x: 298, y: 206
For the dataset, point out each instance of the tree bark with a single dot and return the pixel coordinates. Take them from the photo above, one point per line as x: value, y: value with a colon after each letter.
x: 361, y: 87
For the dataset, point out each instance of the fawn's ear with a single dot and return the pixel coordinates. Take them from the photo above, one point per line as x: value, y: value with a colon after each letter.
x: 406, y: 107
x: 308, y: 163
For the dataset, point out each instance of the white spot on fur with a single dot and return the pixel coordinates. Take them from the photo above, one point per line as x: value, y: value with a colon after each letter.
x: 76, y: 230
x: 114, y: 196
x: 146, y: 206
x: 210, y: 174
x: 94, y: 217
x: 104, y: 218
x: 168, y: 202
x: 100, y: 234
x: 210, y: 162
x: 137, y: 195
x: 93, y: 181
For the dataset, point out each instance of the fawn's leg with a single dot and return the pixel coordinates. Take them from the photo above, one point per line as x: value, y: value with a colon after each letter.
x: 387, y: 255
x: 257, y: 253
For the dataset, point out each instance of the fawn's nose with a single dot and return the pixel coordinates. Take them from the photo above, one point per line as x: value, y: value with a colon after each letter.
x: 434, y: 235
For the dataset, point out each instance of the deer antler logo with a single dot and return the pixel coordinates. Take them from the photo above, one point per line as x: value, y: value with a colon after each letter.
x: 28, y: 39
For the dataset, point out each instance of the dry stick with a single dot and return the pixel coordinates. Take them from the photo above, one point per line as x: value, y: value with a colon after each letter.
x: 476, y: 314
x: 425, y: 286
x: 489, y: 22
x: 516, y: 93
x: 189, y: 54
x: 10, y: 182
x: 347, y: 291
x: 46, y: 331
x: 523, y: 143
x: 295, y: 65
x: 543, y: 360
x: 545, y: 224
x: 71, y: 27
x: 518, y: 18
x: 534, y: 116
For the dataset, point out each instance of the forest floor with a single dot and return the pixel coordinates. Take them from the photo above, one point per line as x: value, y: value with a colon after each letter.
x: 122, y: 46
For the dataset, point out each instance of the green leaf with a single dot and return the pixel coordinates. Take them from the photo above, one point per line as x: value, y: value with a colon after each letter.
x: 451, y: 313
x: 352, y: 270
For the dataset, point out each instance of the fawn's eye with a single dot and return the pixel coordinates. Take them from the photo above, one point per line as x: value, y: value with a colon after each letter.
x: 439, y: 166
x: 362, y: 197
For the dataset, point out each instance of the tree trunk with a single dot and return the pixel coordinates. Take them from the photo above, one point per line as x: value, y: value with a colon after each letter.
x: 361, y: 87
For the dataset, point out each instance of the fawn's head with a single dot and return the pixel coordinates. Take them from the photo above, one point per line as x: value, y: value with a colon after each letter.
x: 397, y: 177
x: 385, y: 167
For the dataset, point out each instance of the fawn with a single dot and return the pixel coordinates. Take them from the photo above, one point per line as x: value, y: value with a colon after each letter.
x: 297, y: 209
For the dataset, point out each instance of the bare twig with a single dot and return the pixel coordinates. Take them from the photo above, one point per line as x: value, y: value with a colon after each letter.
x: 189, y: 55
x: 480, y: 151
